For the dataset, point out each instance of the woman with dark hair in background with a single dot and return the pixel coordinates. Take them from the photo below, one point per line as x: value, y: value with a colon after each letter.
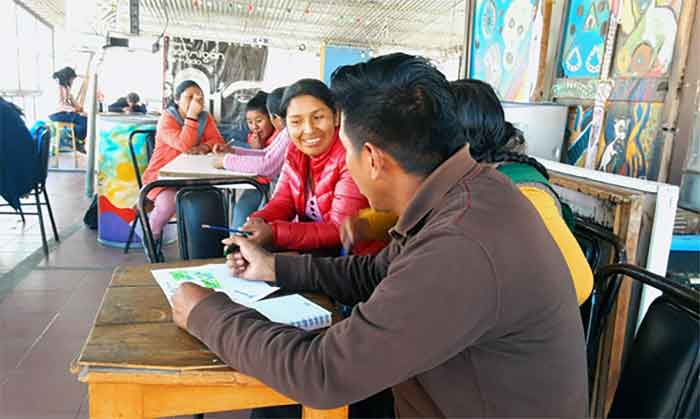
x: 185, y: 127
x: 68, y: 108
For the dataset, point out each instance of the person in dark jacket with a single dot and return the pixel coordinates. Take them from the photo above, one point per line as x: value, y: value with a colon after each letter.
x: 128, y: 104
x: 18, y: 155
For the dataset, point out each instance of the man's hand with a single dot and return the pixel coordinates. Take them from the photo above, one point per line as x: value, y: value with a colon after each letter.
x: 187, y: 296
x: 250, y: 261
x: 223, y: 149
x: 354, y: 230
x: 261, y: 232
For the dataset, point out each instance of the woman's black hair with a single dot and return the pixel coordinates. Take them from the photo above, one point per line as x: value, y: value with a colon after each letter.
x: 65, y: 76
x: 491, y: 138
x: 274, y: 100
x: 258, y: 103
x: 307, y: 87
x: 184, y: 85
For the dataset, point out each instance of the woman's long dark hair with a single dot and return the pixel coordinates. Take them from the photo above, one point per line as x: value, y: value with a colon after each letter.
x: 491, y: 138
x: 308, y: 87
x: 65, y: 76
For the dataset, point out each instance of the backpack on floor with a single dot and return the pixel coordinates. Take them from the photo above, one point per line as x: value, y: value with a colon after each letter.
x: 90, y: 217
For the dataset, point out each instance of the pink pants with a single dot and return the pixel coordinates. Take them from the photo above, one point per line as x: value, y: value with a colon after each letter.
x: 163, y: 211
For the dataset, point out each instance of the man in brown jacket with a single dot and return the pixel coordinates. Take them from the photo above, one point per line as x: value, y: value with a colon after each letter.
x: 470, y: 310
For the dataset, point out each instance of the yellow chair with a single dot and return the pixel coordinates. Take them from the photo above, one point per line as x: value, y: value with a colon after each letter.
x: 57, y: 127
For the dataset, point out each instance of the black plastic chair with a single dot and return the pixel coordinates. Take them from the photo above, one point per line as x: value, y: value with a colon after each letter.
x: 660, y: 375
x: 152, y: 253
x: 42, y: 139
x: 600, y: 247
x: 150, y: 145
x: 197, y: 206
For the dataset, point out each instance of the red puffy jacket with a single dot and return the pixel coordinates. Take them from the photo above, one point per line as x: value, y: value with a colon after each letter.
x: 336, y: 194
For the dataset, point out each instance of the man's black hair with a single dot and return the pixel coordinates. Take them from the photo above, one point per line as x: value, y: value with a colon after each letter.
x: 402, y: 104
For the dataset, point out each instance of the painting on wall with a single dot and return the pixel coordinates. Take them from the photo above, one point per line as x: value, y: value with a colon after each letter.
x: 578, y: 129
x: 584, y: 38
x: 506, y: 45
x: 629, y: 143
x: 646, y: 38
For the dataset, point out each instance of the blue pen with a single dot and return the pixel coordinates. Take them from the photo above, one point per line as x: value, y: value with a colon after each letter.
x: 236, y: 231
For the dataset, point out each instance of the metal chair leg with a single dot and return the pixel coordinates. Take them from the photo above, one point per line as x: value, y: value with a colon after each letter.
x: 21, y: 214
x: 53, y: 222
x: 132, y: 230
x: 41, y: 222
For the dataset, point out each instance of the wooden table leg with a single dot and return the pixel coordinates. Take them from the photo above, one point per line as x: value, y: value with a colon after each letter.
x: 116, y: 401
x: 339, y: 413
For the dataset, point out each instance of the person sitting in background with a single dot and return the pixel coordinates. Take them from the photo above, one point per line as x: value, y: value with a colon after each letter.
x: 128, y: 104
x: 261, y: 132
x: 265, y: 162
x: 314, y: 188
x: 184, y: 127
x: 19, y: 163
x: 68, y: 109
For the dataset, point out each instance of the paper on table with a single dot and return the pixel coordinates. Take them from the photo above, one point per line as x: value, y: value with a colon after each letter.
x: 214, y: 276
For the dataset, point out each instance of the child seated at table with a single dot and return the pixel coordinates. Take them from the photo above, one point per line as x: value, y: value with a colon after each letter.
x: 315, y: 192
x: 266, y: 162
x: 185, y: 127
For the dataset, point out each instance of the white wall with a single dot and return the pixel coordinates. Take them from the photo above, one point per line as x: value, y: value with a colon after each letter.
x: 125, y: 71
x: 285, y: 66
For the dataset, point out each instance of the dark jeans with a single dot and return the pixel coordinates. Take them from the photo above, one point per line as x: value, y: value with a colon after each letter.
x: 78, y: 120
x: 247, y: 203
x: 379, y: 406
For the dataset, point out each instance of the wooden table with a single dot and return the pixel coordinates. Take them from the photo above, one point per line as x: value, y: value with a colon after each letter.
x: 139, y: 364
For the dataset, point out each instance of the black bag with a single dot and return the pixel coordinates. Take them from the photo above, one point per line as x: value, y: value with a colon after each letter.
x: 90, y: 217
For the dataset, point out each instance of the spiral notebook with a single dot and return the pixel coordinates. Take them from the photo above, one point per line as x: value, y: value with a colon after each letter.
x: 294, y: 310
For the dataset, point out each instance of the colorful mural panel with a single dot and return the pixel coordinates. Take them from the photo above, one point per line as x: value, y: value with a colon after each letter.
x: 117, y: 189
x: 630, y: 145
x: 584, y: 38
x: 578, y: 129
x: 646, y: 38
x: 506, y: 46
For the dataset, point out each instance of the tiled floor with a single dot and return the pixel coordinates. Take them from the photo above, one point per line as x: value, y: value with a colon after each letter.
x: 47, y: 306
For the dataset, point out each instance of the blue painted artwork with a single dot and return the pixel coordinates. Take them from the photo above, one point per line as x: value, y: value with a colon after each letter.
x: 584, y: 38
x: 506, y: 46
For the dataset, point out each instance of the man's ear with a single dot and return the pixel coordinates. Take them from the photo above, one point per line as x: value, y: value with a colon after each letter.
x: 376, y: 160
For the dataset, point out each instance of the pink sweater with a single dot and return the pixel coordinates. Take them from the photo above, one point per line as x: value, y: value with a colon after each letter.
x: 266, y: 162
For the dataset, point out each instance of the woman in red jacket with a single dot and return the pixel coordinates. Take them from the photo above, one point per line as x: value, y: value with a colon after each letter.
x: 185, y: 127
x: 315, y: 192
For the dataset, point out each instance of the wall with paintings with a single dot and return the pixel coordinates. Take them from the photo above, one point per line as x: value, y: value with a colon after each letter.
x: 507, y: 43
x: 630, y: 140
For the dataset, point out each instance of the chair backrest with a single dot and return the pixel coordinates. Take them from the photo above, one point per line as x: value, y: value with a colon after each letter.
x: 150, y: 141
x: 600, y: 246
x: 197, y: 206
x: 660, y: 375
x: 42, y: 139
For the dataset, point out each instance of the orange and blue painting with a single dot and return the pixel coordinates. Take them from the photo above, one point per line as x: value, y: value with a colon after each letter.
x: 506, y: 45
x: 646, y: 38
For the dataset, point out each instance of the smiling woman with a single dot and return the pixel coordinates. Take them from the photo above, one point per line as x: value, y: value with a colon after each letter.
x: 315, y: 187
